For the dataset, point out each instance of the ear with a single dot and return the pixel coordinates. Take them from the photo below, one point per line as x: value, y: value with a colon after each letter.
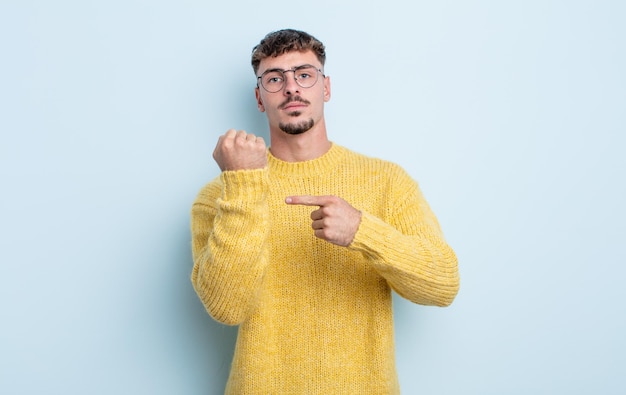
x: 326, y: 88
x: 259, y: 101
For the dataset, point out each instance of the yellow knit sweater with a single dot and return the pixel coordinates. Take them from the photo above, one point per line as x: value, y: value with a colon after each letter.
x: 316, y: 318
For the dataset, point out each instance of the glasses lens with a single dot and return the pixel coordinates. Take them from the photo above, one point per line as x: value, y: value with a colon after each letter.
x: 306, y: 76
x: 273, y: 81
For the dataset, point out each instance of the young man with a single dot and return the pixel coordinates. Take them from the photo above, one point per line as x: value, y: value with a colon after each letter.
x: 301, y: 244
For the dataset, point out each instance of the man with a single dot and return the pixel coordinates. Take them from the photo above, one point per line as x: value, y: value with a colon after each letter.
x: 301, y: 244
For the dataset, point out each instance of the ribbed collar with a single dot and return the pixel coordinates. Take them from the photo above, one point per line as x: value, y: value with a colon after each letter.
x: 310, y: 168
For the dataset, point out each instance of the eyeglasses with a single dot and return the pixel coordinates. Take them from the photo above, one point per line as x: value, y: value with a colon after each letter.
x: 273, y: 80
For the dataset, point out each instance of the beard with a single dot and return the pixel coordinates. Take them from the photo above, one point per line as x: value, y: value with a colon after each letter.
x: 296, y: 128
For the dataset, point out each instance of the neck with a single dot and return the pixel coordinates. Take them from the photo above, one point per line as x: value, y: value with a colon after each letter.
x: 300, y: 147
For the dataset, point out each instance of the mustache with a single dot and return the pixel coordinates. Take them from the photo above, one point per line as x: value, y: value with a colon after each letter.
x: 293, y: 99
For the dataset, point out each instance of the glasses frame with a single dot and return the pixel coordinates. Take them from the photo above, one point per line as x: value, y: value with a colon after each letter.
x: 259, y: 79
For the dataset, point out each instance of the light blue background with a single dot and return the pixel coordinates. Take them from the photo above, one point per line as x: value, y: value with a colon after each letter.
x: 510, y: 114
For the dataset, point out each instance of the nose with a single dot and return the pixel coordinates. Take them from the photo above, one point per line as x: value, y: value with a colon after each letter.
x: 291, y: 86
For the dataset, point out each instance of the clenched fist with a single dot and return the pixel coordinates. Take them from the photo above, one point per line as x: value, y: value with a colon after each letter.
x: 238, y: 150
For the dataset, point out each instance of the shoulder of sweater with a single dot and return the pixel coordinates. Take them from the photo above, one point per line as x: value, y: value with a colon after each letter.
x: 372, y: 161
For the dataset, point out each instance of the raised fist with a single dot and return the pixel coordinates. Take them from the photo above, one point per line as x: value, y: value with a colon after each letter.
x: 238, y: 150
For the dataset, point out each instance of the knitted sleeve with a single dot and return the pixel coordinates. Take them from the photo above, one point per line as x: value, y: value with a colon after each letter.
x: 229, y: 226
x: 409, y: 249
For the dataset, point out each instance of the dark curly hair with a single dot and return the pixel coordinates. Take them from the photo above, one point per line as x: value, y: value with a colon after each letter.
x: 287, y: 40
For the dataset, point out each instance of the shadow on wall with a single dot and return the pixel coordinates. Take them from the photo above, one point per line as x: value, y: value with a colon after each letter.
x: 246, y: 114
x: 209, y: 344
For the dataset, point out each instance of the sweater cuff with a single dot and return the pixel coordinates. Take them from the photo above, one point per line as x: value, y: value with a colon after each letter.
x: 245, y: 184
x: 372, y: 231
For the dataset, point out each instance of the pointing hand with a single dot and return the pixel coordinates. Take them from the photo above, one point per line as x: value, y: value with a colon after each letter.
x: 335, y: 220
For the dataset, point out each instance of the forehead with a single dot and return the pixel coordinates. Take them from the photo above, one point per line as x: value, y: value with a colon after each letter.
x: 289, y: 60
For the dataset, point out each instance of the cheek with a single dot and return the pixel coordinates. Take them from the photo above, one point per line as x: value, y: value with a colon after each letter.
x: 272, y: 113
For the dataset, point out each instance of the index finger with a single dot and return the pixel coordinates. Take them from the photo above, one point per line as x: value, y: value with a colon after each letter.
x: 308, y: 200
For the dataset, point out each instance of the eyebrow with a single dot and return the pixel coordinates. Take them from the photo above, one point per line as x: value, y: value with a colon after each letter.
x: 293, y: 68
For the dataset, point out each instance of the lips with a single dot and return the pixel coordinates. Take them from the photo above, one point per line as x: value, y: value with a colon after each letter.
x: 294, y: 104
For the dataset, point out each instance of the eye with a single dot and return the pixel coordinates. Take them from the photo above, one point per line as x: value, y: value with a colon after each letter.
x: 273, y: 78
x: 305, y: 73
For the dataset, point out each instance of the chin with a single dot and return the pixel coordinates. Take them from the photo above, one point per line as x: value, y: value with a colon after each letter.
x: 297, y: 128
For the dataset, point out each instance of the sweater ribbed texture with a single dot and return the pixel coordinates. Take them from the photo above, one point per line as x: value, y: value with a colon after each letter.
x: 316, y: 318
